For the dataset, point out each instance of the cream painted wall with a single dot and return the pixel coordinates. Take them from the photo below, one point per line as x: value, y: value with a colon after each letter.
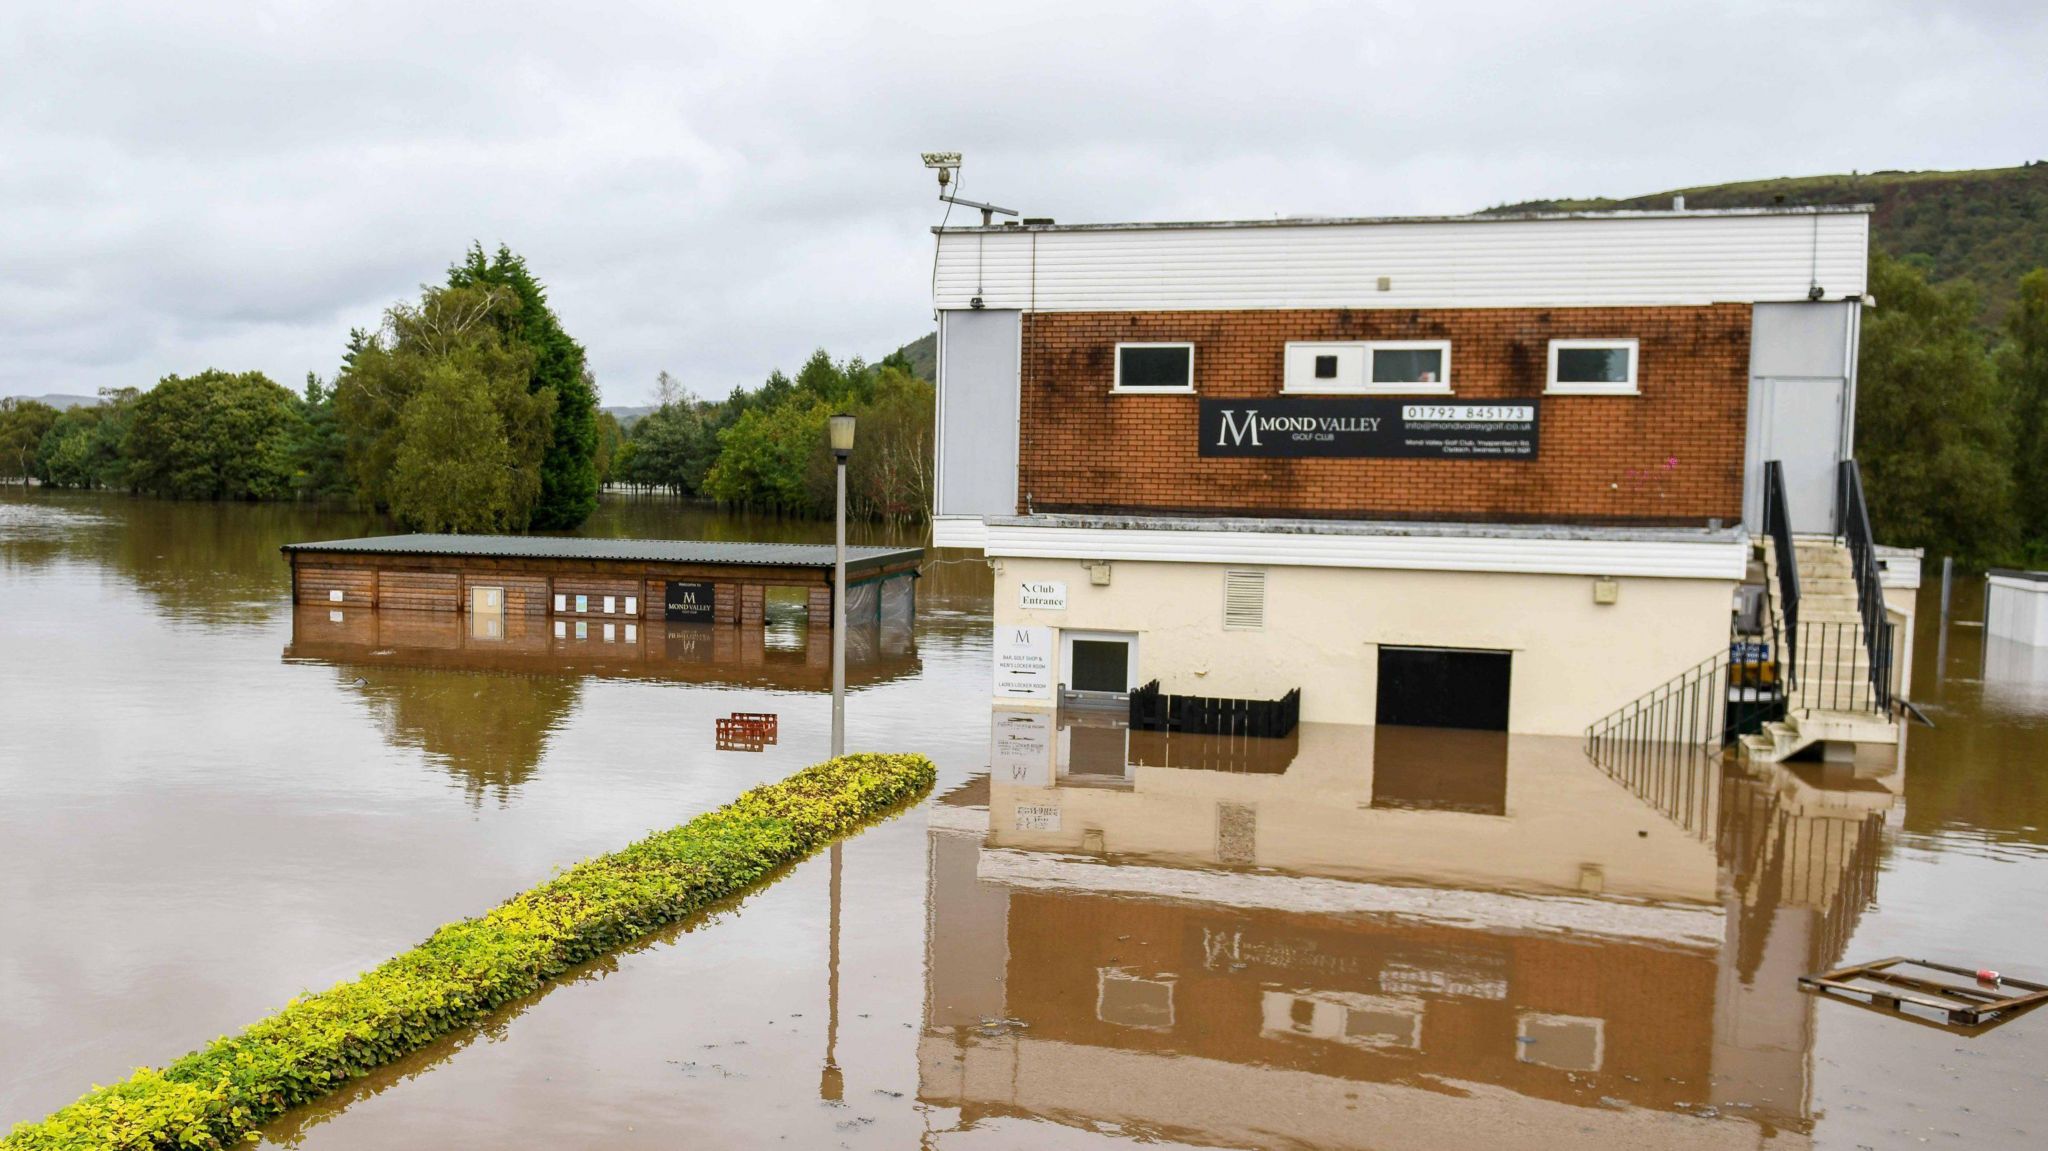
x: 1574, y: 660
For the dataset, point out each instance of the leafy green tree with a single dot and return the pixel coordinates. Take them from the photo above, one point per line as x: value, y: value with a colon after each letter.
x: 1931, y: 434
x: 69, y: 455
x: 765, y: 457
x: 23, y: 424
x: 674, y: 445
x: 568, y: 478
x: 2023, y: 368
x: 610, y: 439
x: 217, y: 435
x: 446, y: 355
x: 453, y: 471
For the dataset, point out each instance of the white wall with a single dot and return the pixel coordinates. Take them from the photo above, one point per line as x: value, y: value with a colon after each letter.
x: 1574, y: 660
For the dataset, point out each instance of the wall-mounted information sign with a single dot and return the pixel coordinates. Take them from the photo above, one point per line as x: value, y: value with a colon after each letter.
x: 1023, y: 662
x: 689, y: 601
x: 1355, y: 427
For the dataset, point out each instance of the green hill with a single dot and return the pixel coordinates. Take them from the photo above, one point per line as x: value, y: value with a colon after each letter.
x: 1988, y: 226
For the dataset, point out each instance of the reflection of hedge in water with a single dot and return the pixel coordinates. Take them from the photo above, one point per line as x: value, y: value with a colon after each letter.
x: 489, y: 731
x: 214, y: 1097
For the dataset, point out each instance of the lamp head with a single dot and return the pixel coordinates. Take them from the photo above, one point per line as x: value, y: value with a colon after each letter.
x: 840, y: 430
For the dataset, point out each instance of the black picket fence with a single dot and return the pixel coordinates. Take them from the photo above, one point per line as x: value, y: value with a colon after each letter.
x: 1155, y: 710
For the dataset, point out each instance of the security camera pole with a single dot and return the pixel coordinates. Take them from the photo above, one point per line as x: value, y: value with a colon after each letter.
x: 841, y: 432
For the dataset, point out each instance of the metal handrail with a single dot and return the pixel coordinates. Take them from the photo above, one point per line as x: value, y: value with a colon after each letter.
x: 1853, y: 514
x: 1778, y: 524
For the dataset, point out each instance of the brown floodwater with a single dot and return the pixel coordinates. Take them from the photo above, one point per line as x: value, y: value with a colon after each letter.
x: 1089, y: 937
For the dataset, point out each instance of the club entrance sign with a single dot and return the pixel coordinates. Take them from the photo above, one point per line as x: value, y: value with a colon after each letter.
x: 1368, y: 428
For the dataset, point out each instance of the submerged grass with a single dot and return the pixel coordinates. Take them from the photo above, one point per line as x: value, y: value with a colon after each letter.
x: 217, y: 1096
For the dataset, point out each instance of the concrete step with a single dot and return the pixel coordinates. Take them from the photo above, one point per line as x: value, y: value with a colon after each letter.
x: 1848, y: 726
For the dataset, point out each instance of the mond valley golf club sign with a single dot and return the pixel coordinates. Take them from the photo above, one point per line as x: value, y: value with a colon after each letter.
x: 1368, y: 428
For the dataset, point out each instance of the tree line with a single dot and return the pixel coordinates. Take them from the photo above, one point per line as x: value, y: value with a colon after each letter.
x: 1952, y: 420
x: 470, y: 409
x: 766, y: 449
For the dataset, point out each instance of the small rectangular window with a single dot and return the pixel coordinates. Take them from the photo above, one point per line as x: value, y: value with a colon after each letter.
x: 1155, y: 368
x: 582, y: 603
x: 632, y: 605
x: 1358, y: 367
x: 561, y: 603
x: 1410, y: 365
x: 610, y: 603
x: 1593, y: 367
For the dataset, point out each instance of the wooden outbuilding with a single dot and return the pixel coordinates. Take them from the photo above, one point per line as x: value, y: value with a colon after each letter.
x: 698, y: 581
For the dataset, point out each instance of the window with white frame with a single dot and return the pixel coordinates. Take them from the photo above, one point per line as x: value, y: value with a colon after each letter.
x: 1154, y: 369
x: 1397, y: 367
x: 1593, y: 367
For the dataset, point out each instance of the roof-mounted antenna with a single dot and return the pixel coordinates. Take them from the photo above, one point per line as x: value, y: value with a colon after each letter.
x: 945, y: 162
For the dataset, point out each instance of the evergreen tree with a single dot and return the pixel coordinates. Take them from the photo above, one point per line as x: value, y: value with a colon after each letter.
x: 568, y: 474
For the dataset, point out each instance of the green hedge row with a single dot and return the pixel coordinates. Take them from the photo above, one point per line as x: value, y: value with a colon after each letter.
x: 216, y: 1097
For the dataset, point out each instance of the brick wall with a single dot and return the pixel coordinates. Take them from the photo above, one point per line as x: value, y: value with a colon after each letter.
x: 1671, y: 455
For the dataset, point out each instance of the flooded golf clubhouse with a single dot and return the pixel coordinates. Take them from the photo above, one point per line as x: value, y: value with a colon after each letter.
x: 1415, y: 684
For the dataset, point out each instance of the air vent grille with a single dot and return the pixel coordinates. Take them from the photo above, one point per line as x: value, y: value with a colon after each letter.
x: 1244, y: 600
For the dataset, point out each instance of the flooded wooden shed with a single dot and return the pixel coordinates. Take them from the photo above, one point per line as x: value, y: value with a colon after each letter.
x: 700, y: 581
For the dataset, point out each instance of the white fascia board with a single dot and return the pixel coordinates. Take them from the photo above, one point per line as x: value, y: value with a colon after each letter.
x: 959, y: 532
x: 1602, y: 261
x: 1534, y: 554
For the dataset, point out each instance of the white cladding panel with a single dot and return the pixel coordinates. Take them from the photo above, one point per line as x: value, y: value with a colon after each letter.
x: 1573, y: 262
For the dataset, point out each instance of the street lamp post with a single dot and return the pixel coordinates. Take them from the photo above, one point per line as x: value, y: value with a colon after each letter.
x: 841, y: 431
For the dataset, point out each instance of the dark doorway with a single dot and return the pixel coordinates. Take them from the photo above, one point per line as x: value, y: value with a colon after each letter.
x: 1100, y: 665
x: 1444, y: 687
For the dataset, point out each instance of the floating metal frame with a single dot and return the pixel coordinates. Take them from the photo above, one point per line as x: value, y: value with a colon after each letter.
x: 1967, y: 1005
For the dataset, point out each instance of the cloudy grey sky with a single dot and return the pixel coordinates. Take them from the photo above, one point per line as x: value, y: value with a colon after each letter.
x: 718, y: 189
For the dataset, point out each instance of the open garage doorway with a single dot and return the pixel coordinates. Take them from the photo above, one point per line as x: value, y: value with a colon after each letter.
x: 1444, y: 687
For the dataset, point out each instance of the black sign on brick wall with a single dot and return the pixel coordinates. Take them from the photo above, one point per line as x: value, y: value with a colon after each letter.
x: 689, y: 601
x: 1355, y: 427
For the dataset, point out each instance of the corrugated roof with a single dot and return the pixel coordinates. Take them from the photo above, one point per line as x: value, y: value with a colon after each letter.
x: 625, y: 551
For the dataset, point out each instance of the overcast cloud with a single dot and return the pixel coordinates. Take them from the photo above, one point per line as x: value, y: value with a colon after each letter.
x: 717, y: 190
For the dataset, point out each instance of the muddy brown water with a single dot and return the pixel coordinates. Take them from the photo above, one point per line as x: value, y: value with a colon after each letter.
x: 210, y: 802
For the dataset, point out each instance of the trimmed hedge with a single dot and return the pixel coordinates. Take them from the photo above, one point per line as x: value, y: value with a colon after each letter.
x: 216, y: 1097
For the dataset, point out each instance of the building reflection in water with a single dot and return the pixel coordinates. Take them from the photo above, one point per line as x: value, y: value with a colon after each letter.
x: 481, y: 693
x: 1392, y: 939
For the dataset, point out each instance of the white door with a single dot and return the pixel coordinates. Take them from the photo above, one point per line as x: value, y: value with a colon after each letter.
x: 1098, y: 663
x: 1804, y: 432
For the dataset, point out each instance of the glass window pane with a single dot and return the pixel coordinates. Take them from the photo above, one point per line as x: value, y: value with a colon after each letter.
x: 1100, y: 665
x: 1154, y: 367
x: 1592, y: 365
x: 1414, y: 366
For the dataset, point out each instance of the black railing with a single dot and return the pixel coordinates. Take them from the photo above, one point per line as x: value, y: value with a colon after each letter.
x: 1854, y: 528
x: 1664, y: 746
x: 1839, y: 671
x: 1155, y: 710
x: 1778, y: 524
